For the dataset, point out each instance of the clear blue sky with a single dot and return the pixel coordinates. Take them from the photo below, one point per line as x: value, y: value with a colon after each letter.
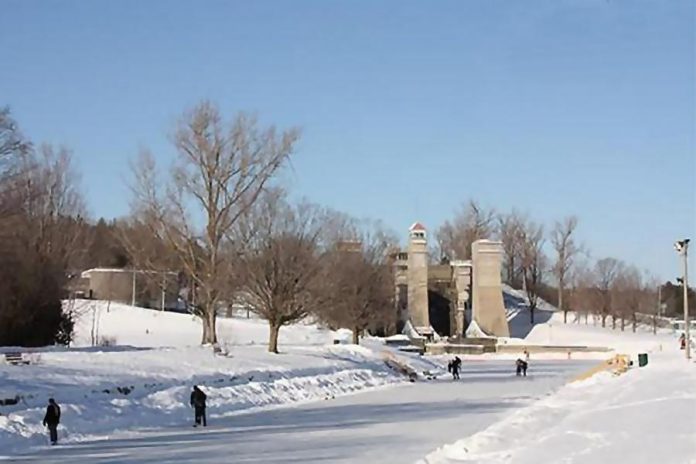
x: 408, y: 108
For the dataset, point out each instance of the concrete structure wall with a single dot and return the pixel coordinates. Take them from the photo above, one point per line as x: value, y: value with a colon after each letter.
x: 418, y: 278
x: 108, y: 285
x: 117, y: 285
x: 488, y: 308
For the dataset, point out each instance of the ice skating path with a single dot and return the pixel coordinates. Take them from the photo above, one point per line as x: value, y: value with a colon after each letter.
x: 393, y: 425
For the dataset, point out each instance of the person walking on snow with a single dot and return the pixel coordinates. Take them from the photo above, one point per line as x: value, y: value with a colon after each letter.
x: 52, y: 419
x: 198, y: 402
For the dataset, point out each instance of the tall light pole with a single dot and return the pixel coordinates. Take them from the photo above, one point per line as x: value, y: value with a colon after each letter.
x: 133, y: 290
x: 682, y: 248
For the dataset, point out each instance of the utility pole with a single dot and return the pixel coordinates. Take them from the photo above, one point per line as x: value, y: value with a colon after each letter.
x: 659, y: 300
x: 659, y: 306
x: 687, y: 321
x: 682, y: 248
x: 133, y: 290
x: 164, y: 285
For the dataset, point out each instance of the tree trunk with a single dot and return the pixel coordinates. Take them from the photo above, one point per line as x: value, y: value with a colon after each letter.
x: 623, y: 322
x: 587, y: 316
x: 634, y: 321
x: 273, y: 338
x: 531, y: 316
x: 654, y: 318
x: 356, y: 336
x: 560, y: 302
x: 209, y: 332
x: 604, y: 320
x: 613, y: 322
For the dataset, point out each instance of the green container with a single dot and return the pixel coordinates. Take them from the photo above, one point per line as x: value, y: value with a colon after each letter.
x: 642, y: 359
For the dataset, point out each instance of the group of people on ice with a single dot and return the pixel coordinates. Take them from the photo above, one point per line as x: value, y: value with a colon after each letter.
x: 52, y: 417
x: 455, y: 365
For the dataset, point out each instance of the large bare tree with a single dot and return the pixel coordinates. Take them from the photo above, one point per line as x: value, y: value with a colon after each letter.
x: 55, y: 203
x: 510, y: 233
x: 361, y: 280
x: 472, y: 222
x: 627, y: 294
x: 533, y: 263
x: 586, y: 299
x: 607, y: 270
x: 280, y: 266
x: 220, y: 170
x: 563, y: 241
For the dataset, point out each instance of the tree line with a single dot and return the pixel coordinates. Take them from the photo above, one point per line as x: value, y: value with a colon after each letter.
x: 553, y: 265
x: 220, y: 216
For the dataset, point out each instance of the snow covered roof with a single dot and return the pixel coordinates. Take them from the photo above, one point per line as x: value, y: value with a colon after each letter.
x: 417, y: 226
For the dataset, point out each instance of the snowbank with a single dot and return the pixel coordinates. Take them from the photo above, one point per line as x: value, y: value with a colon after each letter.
x: 644, y: 416
x: 105, y: 393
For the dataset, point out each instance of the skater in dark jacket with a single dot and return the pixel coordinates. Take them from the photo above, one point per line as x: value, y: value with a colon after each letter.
x: 456, y: 365
x: 521, y: 367
x: 198, y: 402
x: 52, y: 419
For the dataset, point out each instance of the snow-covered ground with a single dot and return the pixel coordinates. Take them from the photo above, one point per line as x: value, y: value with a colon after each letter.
x: 395, y: 425
x: 120, y: 324
x: 144, y: 380
x: 128, y: 402
x: 645, y: 416
x: 549, y: 329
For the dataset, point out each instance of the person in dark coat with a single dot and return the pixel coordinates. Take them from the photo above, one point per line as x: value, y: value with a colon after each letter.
x: 52, y: 419
x: 521, y: 367
x: 456, y: 365
x: 198, y: 402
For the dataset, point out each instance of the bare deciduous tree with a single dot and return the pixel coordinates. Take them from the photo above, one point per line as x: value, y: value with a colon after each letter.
x: 586, y: 299
x: 566, y: 251
x: 361, y: 281
x: 12, y: 142
x: 607, y: 271
x: 54, y: 201
x: 472, y: 222
x: 533, y: 263
x: 510, y: 233
x: 150, y: 257
x: 220, y: 171
x: 280, y: 268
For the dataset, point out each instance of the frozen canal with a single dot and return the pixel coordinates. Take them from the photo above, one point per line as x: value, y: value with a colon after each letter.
x: 394, y: 425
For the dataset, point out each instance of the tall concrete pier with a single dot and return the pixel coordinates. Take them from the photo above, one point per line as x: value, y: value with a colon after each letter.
x: 488, y: 309
x: 418, y: 279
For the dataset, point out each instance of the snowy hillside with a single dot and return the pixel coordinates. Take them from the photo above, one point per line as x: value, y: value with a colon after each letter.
x: 549, y: 329
x: 120, y: 324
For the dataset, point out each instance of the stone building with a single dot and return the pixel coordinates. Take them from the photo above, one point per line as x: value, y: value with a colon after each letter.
x: 145, y: 288
x: 438, y: 297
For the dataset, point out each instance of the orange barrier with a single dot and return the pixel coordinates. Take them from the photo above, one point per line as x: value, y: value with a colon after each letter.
x: 617, y: 365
